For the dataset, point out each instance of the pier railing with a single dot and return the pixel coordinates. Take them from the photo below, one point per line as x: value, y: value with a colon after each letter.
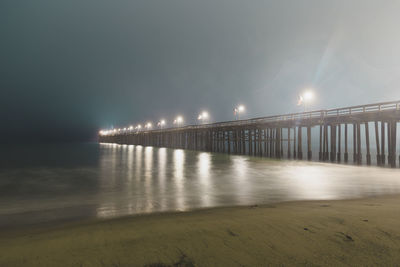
x: 325, y: 113
x: 282, y: 135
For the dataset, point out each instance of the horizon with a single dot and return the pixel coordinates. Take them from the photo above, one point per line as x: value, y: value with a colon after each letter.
x: 69, y: 70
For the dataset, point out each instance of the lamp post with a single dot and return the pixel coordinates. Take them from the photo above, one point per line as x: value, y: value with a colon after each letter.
x: 237, y: 110
x: 178, y: 120
x: 161, y: 123
x: 203, y: 117
x: 305, y: 98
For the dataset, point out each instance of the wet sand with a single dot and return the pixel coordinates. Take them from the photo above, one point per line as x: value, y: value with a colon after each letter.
x: 345, y: 232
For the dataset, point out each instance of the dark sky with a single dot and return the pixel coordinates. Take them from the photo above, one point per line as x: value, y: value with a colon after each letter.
x: 69, y: 68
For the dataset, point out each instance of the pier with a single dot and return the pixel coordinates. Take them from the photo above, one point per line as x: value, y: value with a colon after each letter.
x: 340, y: 133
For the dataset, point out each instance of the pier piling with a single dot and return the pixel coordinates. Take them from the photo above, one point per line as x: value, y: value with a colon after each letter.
x: 266, y: 137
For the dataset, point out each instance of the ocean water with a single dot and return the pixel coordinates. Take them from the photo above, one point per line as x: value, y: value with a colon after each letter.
x: 46, y: 183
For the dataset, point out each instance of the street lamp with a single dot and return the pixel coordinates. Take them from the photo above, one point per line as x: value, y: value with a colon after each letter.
x: 178, y: 120
x: 203, y: 116
x: 161, y: 123
x: 237, y: 110
x: 148, y: 125
x: 305, y: 98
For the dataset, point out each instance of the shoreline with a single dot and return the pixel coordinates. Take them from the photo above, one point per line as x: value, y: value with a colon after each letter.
x: 83, y: 220
x: 356, y: 231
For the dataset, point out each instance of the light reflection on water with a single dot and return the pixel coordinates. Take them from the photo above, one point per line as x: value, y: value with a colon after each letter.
x: 203, y: 170
x: 134, y: 179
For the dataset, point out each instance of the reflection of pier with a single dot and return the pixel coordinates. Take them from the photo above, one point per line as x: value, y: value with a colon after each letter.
x: 282, y: 136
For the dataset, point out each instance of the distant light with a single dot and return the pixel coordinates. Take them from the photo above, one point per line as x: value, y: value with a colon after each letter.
x: 308, y: 95
x: 203, y: 116
x: 178, y: 120
x: 130, y: 127
x: 237, y: 110
x: 139, y: 126
x: 161, y: 123
x: 148, y: 125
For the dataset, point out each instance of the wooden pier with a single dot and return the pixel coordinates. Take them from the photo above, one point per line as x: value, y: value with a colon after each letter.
x: 288, y: 136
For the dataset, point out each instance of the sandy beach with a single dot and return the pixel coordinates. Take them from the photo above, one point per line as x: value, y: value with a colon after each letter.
x: 346, y: 232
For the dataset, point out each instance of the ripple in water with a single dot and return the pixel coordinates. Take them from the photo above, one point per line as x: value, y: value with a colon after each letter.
x: 116, y: 180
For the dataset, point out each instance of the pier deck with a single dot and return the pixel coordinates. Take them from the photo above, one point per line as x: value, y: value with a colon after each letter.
x: 281, y: 136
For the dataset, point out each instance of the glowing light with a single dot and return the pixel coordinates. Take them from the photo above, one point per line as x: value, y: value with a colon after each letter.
x: 148, y: 125
x: 161, y: 123
x: 308, y: 95
x: 239, y: 109
x: 203, y: 116
x: 305, y: 98
x: 178, y: 120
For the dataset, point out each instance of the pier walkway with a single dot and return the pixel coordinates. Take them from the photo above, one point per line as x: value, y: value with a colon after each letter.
x: 281, y: 136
